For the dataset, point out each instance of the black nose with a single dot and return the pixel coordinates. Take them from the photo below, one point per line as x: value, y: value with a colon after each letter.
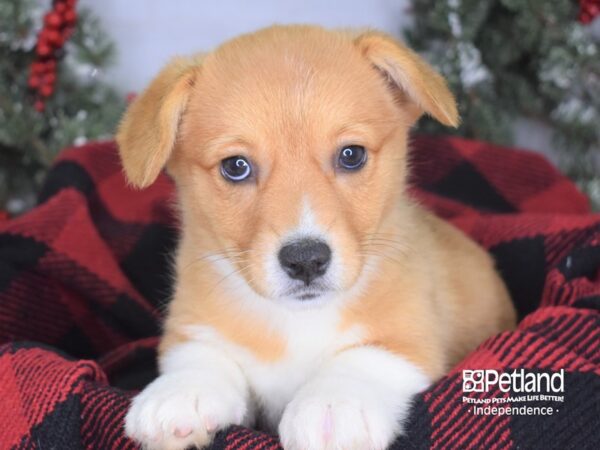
x: 305, y: 260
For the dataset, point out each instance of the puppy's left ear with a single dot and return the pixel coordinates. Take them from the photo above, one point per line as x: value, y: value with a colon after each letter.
x: 418, y: 81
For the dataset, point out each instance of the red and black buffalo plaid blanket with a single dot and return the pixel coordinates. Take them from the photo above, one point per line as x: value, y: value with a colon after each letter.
x: 84, y: 279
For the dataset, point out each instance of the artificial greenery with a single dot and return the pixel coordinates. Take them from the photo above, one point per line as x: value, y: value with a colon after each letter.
x: 504, y: 59
x: 511, y: 59
x: 83, y: 106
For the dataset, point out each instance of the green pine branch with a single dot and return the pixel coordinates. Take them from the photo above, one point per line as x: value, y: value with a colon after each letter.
x: 83, y: 106
x: 506, y: 59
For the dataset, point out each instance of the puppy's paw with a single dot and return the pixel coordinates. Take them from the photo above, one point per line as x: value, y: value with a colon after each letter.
x: 181, y: 409
x: 341, y: 414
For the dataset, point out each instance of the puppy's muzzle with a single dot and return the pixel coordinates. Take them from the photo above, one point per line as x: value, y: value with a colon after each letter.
x: 305, y: 260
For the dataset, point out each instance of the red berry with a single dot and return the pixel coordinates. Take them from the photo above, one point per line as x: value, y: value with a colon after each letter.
x: 50, y: 65
x: 71, y: 3
x: 60, y: 8
x: 38, y: 67
x: 43, y: 49
x: 60, y: 41
x: 39, y: 106
x: 54, y: 38
x: 43, y: 37
x: 46, y: 90
x: 49, y: 79
x: 34, y: 81
x: 70, y: 16
x: 53, y: 20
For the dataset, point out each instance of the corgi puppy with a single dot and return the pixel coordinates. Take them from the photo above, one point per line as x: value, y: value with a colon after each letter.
x: 312, y: 296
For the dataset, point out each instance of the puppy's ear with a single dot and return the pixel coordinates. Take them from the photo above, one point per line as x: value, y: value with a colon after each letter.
x: 418, y: 81
x: 148, y: 131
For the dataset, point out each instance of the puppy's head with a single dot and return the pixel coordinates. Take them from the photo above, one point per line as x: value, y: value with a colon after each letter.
x: 288, y: 148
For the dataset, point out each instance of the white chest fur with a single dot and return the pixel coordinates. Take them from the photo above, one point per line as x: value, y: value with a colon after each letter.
x: 312, y: 337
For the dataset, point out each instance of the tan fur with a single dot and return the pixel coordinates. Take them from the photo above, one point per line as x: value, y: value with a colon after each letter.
x: 289, y: 97
x: 422, y: 84
x: 448, y: 283
x: 148, y: 145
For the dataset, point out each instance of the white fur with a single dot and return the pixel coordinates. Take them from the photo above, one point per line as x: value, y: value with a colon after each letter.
x: 358, y: 400
x: 312, y: 337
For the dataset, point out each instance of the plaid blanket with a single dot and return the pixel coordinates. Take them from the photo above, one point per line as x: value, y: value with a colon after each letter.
x: 83, y: 282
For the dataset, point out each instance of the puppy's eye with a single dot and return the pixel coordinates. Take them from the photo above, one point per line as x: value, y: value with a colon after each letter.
x: 236, y: 168
x: 352, y: 157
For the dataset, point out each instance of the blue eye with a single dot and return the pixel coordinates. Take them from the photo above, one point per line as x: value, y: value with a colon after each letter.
x: 236, y: 168
x: 352, y: 157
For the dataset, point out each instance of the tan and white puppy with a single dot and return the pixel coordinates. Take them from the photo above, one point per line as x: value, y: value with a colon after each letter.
x: 312, y: 295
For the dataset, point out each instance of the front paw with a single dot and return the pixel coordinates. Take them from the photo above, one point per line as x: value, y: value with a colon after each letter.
x: 181, y: 409
x: 341, y: 414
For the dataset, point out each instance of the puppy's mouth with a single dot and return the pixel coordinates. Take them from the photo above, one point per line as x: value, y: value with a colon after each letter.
x: 307, y: 293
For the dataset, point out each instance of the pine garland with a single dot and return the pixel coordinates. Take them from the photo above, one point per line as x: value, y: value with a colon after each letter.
x: 503, y: 58
x: 80, y: 105
x: 510, y: 59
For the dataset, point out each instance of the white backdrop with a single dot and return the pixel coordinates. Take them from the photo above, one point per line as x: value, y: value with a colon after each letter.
x: 150, y: 32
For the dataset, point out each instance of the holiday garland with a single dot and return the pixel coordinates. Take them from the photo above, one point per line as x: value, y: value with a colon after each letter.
x: 588, y: 10
x: 512, y: 59
x: 59, y: 24
x: 53, y: 92
x: 503, y: 58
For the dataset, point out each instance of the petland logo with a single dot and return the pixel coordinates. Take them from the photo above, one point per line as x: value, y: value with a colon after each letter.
x: 521, y: 392
x: 519, y: 381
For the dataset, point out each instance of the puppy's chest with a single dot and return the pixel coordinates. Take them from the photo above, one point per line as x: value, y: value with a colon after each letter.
x: 311, y: 340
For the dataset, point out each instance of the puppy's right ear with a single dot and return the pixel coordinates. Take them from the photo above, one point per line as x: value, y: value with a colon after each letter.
x: 148, y: 131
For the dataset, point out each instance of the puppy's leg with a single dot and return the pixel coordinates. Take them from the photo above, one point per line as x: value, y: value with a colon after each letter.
x: 357, y: 401
x: 200, y: 391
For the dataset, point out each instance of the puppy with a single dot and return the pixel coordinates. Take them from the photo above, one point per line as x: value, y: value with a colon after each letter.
x: 313, y: 297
